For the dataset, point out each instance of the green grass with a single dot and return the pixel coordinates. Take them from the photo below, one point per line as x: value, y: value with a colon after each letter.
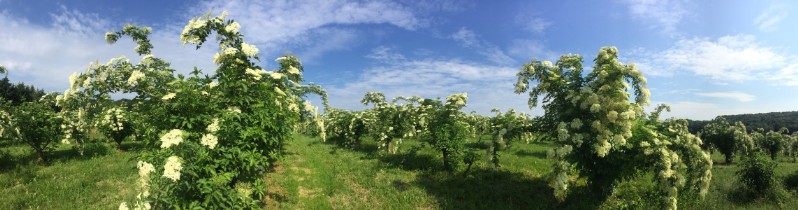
x: 100, y: 179
x: 322, y: 175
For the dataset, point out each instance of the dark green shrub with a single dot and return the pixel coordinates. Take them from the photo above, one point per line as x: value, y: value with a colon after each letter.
x: 757, y: 172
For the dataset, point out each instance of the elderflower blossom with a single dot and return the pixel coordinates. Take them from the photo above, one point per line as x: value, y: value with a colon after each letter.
x: 232, y: 27
x: 293, y: 70
x: 546, y: 64
x: 254, y: 73
x: 144, y: 176
x: 209, y: 140
x: 230, y: 51
x: 123, y: 206
x: 279, y: 91
x: 612, y: 116
x: 134, y: 77
x: 276, y: 75
x: 217, y: 58
x: 173, y: 137
x: 214, y: 126
x: 249, y: 50
x: 213, y: 84
x: 234, y: 109
x: 168, y: 96
x: 171, y: 169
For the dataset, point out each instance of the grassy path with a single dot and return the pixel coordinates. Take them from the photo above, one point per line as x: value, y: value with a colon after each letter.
x: 315, y: 175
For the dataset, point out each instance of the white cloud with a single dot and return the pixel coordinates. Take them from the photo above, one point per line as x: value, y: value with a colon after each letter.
x: 727, y: 59
x: 290, y: 25
x: 663, y: 14
x: 769, y: 19
x: 466, y: 37
x: 734, y: 95
x: 45, y: 56
x: 527, y: 49
x: 385, y: 54
x: 533, y: 24
x: 488, y: 86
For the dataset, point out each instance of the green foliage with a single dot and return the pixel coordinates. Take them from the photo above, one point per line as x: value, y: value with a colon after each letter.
x: 727, y: 139
x: 38, y: 126
x: 210, y: 138
x: 766, y: 121
x: 18, y: 93
x: 446, y: 129
x: 116, y: 125
x: 757, y: 172
x: 774, y: 142
x: 393, y: 122
x: 602, y: 135
x: 346, y: 128
x: 506, y: 127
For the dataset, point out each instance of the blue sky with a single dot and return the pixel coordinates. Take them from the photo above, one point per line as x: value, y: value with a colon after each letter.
x: 704, y: 58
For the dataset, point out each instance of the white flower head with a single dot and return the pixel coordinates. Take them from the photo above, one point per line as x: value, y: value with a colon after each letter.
x: 168, y: 96
x: 214, y: 126
x: 171, y: 169
x: 123, y: 206
x: 213, y: 84
x: 134, y: 77
x: 232, y: 27
x: 254, y: 73
x: 209, y: 140
x: 249, y: 50
x: 173, y: 137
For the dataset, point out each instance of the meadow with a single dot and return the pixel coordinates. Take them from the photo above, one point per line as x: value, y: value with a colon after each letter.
x: 322, y: 175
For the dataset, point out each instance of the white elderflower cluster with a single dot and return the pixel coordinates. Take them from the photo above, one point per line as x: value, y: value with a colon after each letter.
x: 457, y: 100
x: 173, y: 137
x: 232, y: 27
x: 279, y: 91
x: 168, y: 96
x: 134, y: 77
x: 275, y: 75
x: 293, y: 70
x: 234, y: 110
x: 209, y: 140
x: 171, y: 169
x: 214, y: 126
x: 145, y: 169
x: 256, y: 74
x: 114, y: 119
x: 249, y: 50
x: 213, y: 84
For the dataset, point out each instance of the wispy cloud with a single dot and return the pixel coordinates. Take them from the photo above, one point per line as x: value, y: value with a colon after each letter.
x: 488, y: 86
x: 661, y: 14
x: 306, y: 24
x: 770, y: 18
x: 467, y: 38
x: 728, y: 59
x: 533, y: 24
x: 734, y: 95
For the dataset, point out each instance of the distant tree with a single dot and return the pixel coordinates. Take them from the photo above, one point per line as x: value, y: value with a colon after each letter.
x: 727, y: 139
x: 774, y: 142
x: 18, y: 93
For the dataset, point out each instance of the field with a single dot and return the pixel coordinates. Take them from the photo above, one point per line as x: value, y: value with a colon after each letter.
x: 322, y: 175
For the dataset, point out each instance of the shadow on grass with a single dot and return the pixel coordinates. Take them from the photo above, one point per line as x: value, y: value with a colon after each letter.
x: 527, y: 153
x: 488, y: 189
x: 90, y: 150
